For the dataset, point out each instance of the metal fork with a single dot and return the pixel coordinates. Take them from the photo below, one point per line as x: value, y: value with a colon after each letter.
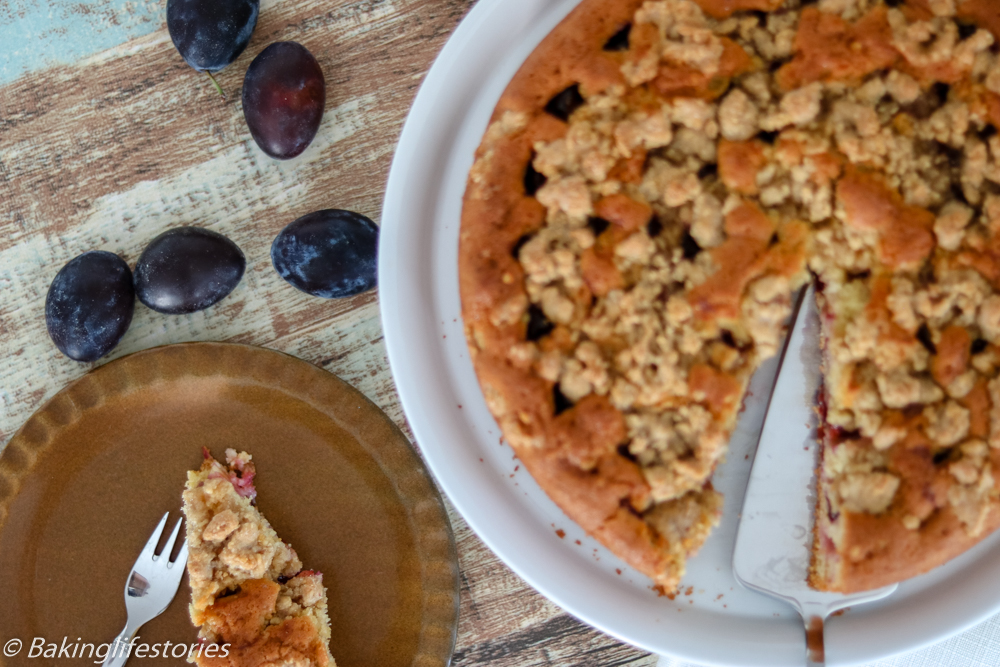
x: 150, y: 587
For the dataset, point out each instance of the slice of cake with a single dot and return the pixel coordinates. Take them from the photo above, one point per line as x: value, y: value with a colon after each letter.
x: 250, y: 597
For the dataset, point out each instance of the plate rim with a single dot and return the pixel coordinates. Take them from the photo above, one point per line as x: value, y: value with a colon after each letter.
x: 405, y: 470
x: 411, y: 185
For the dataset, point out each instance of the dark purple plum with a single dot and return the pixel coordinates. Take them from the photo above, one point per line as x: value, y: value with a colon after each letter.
x: 89, y: 305
x: 187, y: 269
x: 331, y: 253
x: 283, y: 98
x: 210, y: 34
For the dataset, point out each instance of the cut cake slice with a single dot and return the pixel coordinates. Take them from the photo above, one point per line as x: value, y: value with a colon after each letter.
x: 250, y: 597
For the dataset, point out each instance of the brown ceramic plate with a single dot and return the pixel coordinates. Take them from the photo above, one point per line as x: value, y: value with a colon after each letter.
x: 86, y: 479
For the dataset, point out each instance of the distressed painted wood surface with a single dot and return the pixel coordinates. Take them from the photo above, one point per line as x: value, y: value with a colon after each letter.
x: 107, y: 138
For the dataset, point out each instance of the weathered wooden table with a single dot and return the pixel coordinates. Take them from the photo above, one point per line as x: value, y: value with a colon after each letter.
x: 108, y: 138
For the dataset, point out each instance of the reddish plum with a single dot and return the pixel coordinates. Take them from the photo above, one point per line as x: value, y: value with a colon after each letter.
x: 283, y: 98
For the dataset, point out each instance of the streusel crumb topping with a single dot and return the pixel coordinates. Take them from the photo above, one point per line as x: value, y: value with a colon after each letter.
x: 672, y: 209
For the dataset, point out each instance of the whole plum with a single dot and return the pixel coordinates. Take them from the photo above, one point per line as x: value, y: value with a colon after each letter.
x: 89, y: 305
x: 283, y: 98
x: 187, y: 269
x: 330, y: 253
x: 211, y: 34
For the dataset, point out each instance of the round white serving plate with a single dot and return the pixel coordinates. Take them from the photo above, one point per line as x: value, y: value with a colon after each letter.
x: 713, y: 621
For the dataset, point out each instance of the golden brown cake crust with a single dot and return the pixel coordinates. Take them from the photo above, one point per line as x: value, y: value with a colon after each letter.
x: 242, y: 622
x: 651, y: 186
x: 893, y: 553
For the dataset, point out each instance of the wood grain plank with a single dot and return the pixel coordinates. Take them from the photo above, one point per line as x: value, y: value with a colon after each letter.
x: 559, y: 641
x: 496, y: 602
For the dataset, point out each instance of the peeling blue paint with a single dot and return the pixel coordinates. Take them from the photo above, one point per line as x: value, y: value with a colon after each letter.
x: 35, y: 34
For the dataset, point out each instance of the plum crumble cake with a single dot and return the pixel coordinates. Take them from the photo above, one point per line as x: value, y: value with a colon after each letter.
x: 248, y: 588
x: 654, y: 184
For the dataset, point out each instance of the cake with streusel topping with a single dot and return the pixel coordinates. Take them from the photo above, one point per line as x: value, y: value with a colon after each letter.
x: 250, y: 597
x: 659, y: 178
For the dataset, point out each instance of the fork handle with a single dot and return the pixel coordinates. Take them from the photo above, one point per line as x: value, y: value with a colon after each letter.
x: 118, y: 653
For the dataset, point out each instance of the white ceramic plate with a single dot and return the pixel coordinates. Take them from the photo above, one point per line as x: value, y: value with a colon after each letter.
x: 718, y: 623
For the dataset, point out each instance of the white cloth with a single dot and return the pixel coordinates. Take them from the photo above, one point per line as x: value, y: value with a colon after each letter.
x: 976, y: 647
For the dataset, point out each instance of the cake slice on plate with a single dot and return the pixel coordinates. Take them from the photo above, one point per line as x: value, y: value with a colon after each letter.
x: 250, y: 597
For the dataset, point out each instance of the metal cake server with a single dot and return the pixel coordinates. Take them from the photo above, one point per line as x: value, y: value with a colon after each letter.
x: 774, y: 537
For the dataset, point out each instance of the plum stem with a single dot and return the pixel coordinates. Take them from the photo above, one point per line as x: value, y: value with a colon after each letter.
x: 217, y: 86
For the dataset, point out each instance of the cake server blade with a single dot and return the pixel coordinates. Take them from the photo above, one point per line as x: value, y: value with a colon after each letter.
x: 774, y: 536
